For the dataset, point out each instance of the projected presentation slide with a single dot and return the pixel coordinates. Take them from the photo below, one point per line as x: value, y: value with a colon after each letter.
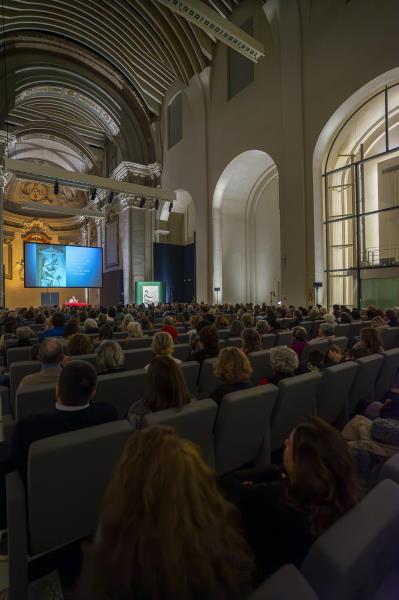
x: 150, y: 292
x: 53, y: 266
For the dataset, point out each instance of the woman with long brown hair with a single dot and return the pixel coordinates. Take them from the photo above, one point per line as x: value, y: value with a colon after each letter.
x: 370, y: 343
x: 284, y: 511
x: 165, y: 531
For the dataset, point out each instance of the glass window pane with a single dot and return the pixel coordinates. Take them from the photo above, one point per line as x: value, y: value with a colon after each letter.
x: 341, y: 193
x: 363, y: 135
x: 379, y: 239
x: 379, y: 183
x: 393, y: 117
x: 343, y: 288
x: 341, y: 244
x: 379, y: 291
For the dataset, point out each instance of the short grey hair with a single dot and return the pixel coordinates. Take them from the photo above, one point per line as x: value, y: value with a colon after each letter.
x: 327, y: 329
x: 284, y: 360
x: 109, y: 355
x: 24, y: 333
x: 330, y: 319
x: 51, y: 351
x: 90, y: 324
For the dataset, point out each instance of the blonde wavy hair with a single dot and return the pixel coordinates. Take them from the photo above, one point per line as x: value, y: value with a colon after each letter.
x: 162, y: 344
x: 165, y: 529
x: 134, y: 329
x: 232, y: 366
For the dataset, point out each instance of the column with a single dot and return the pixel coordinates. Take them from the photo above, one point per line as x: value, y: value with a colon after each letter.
x: 3, y: 181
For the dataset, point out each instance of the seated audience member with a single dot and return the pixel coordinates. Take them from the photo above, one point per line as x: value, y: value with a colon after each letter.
x: 370, y: 343
x: 251, y: 340
x: 146, y: 323
x: 71, y: 328
x: 262, y: 326
x: 355, y: 314
x: 316, y: 362
x: 330, y: 318
x: 102, y: 320
x: 221, y: 322
x: 207, y: 345
x: 40, y: 318
x: 56, y: 329
x: 234, y: 369
x: 134, y: 331
x: 284, y: 511
x: 162, y: 345
x: 379, y: 323
x: 111, y: 315
x: 80, y: 343
x: 299, y: 337
x: 247, y: 320
x: 326, y: 330
x: 274, y: 325
x: 192, y: 329
x: 90, y: 326
x: 165, y: 388
x: 284, y: 363
x: 105, y: 332
x: 236, y: 329
x: 24, y: 336
x: 345, y: 317
x: 126, y: 320
x: 110, y: 357
x: 297, y: 318
x: 391, y: 317
x: 208, y: 559
x: 334, y: 356
x: 51, y: 355
x: 169, y: 327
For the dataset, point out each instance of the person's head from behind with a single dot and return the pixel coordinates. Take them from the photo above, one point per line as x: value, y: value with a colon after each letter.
x: 232, y: 366
x: 71, y: 328
x: 102, y: 319
x: 247, y: 320
x: 90, y: 325
x: 316, y: 360
x: 58, y: 319
x: 77, y: 383
x: 162, y: 344
x: 209, y: 339
x: 391, y: 314
x: 262, y: 326
x: 106, y: 332
x: 168, y: 321
x: 221, y: 322
x: 165, y: 385
x: 236, y: 328
x: 51, y: 352
x: 138, y: 532
x: 377, y: 322
x: 80, y: 343
x: 321, y: 471
x: 110, y: 356
x: 24, y: 334
x: 283, y: 360
x: 251, y: 340
x: 345, y: 317
x: 299, y: 334
x: 334, y: 354
x: 134, y: 329
x: 112, y: 312
x: 370, y: 337
x: 126, y: 320
x: 327, y: 329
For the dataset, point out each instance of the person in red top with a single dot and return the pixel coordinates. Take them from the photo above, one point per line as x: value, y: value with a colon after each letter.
x: 169, y: 327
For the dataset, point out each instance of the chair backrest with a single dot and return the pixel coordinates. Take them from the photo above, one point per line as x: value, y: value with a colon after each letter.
x: 190, y: 372
x: 364, y: 384
x: 34, y: 400
x: 356, y: 327
x: 223, y: 333
x: 137, y: 359
x: 135, y: 343
x: 67, y: 475
x: 194, y: 422
x: 183, y: 338
x: 387, y: 374
x: 121, y: 389
x: 285, y: 584
x: 315, y: 328
x: 242, y: 427
x: 268, y: 340
x: 234, y: 341
x: 343, y: 330
x: 182, y: 351
x: 334, y: 392
x: 261, y: 365
x: 207, y: 381
x: 18, y: 354
x: 308, y: 325
x: 296, y: 402
x: 356, y: 554
x: 321, y: 345
x: 119, y: 335
x: 283, y: 338
x: 340, y: 341
x: 18, y: 370
x: 90, y: 358
x: 390, y: 469
x: 390, y: 337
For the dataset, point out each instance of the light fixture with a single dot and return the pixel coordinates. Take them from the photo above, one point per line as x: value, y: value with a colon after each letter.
x: 56, y: 187
x: 142, y: 202
x: 157, y: 204
x: 93, y: 194
x: 170, y: 206
x: 110, y: 197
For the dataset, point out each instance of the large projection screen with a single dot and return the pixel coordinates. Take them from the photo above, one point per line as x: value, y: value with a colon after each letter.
x: 56, y: 266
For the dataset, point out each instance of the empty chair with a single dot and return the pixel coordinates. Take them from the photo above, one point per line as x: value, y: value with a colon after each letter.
x: 387, y: 375
x: 18, y: 354
x: 121, y: 389
x: 207, y: 380
x: 390, y: 469
x: 182, y: 351
x: 138, y: 359
x: 285, y: 584
x: 390, y: 337
x: 34, y: 524
x: 343, y: 330
x: 357, y: 553
x: 283, y: 338
x: 296, y: 402
x: 194, y: 422
x: 334, y: 392
x: 363, y: 387
x: 234, y: 341
x: 242, y: 429
x: 341, y: 342
x: 34, y: 400
x: 190, y: 372
x: 321, y: 345
x: 268, y: 340
x: 261, y: 365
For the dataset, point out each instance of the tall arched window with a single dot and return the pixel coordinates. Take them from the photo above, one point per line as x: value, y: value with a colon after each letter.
x: 361, y: 205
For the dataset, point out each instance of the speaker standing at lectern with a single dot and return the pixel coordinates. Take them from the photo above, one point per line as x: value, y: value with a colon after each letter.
x: 73, y: 300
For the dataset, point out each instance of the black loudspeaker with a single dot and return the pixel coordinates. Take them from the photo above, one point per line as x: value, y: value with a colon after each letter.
x: 216, y: 289
x: 318, y: 284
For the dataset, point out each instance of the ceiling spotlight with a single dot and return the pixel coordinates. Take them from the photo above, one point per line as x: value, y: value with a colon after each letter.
x: 110, y: 197
x: 93, y: 194
x: 170, y: 206
x: 142, y: 202
x: 156, y: 204
x: 56, y: 187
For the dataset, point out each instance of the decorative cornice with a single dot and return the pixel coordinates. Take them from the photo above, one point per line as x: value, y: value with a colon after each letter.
x: 127, y: 170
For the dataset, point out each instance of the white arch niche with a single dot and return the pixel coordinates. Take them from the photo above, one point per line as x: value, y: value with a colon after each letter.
x: 246, y: 230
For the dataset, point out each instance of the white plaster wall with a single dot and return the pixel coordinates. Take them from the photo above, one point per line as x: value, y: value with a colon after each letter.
x: 267, y: 240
